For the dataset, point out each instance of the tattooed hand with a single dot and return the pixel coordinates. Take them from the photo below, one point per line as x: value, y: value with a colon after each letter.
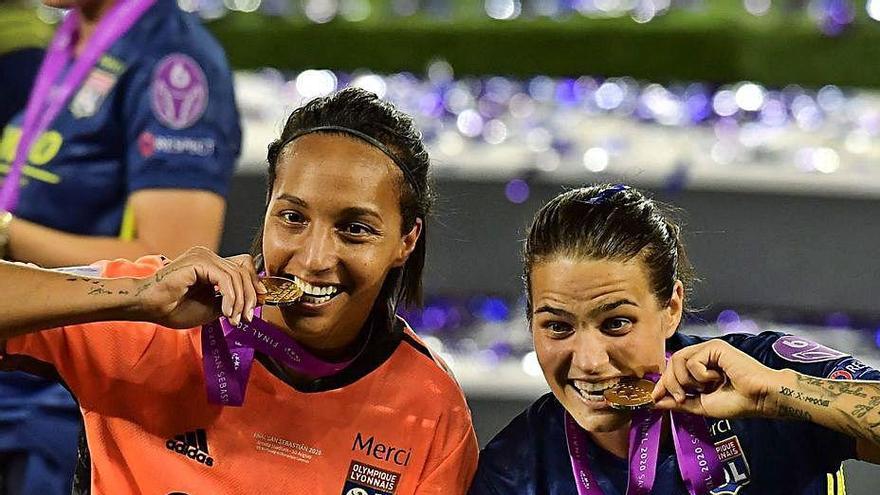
x: 184, y: 293
x: 714, y: 379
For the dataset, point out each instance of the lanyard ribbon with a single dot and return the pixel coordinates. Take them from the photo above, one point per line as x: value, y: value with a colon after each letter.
x: 698, y: 460
x: 228, y: 353
x: 48, y: 96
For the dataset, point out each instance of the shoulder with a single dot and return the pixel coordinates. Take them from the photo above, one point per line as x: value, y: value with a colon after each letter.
x: 168, y: 34
x: 425, y: 365
x: 511, y: 459
x: 540, y: 423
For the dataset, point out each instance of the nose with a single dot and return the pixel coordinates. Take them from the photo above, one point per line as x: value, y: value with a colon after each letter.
x: 590, y: 354
x: 318, y: 249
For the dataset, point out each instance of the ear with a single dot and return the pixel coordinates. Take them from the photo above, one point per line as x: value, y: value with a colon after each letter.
x: 408, y: 243
x: 674, y: 309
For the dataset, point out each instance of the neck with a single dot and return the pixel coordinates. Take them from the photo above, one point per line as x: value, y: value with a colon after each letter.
x: 90, y: 14
x: 329, y: 346
x: 617, y: 442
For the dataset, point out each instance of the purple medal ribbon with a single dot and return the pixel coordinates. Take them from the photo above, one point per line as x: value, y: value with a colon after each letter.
x: 697, y: 458
x: 228, y: 353
x: 49, y: 96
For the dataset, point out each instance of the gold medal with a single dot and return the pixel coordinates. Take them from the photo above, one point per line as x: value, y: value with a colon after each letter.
x: 631, y: 395
x: 281, y: 291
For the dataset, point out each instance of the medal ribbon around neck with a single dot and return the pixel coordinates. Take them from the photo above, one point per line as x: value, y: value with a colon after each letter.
x: 228, y: 353
x: 48, y: 96
x: 698, y: 461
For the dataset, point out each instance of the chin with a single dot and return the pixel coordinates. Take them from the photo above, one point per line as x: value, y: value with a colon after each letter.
x: 598, y: 421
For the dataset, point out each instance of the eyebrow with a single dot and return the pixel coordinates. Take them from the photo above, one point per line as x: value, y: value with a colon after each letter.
x: 292, y: 199
x: 604, y: 308
x: 360, y: 211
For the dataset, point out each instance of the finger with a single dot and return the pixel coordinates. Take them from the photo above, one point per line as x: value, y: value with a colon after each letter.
x: 659, y: 391
x: 670, y: 381
x: 250, y: 291
x: 690, y: 405
x: 218, y: 278
x: 666, y: 403
x: 706, y: 377
x: 238, y: 287
x: 246, y: 264
x: 683, y: 376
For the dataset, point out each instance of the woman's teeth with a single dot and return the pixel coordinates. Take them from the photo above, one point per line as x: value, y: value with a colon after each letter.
x: 593, y: 391
x: 314, y: 294
x: 315, y: 300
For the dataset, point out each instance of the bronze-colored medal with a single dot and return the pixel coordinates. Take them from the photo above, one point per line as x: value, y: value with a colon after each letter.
x: 631, y: 395
x: 281, y: 291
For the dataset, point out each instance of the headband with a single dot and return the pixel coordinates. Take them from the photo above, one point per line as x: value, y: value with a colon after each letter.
x: 407, y: 174
x: 605, y: 194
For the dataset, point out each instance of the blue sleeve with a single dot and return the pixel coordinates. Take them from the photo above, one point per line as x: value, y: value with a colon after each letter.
x: 504, y: 461
x: 182, y: 125
x: 780, y: 351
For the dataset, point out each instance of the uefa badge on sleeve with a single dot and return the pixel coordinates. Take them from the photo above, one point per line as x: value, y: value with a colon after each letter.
x: 179, y: 91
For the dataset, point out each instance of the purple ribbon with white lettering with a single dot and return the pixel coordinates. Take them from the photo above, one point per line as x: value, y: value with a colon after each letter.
x: 697, y: 458
x: 228, y: 353
x: 48, y: 96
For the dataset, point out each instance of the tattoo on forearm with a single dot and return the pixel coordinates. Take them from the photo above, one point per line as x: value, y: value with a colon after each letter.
x: 97, y: 287
x: 862, y: 409
x: 157, y: 278
x: 787, y: 392
x: 835, y: 388
x: 857, y: 404
x: 794, y: 413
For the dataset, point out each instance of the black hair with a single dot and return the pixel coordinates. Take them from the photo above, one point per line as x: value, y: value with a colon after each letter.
x: 365, y: 113
x: 606, y: 222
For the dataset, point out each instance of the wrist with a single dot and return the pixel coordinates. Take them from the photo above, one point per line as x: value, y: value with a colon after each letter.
x: 129, y: 305
x: 783, y: 383
x: 5, y: 221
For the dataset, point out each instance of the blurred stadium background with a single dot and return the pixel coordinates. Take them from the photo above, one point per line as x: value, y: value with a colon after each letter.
x: 758, y: 117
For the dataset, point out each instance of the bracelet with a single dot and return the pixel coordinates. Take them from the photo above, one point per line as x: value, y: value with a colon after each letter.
x: 5, y: 220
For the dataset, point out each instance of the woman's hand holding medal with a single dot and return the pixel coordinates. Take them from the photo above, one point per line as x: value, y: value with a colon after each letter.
x: 198, y: 287
x: 714, y: 379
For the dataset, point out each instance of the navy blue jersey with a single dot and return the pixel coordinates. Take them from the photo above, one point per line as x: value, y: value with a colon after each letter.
x: 156, y: 111
x: 18, y: 68
x: 760, y: 456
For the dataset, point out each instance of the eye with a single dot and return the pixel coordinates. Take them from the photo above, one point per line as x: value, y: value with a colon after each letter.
x: 557, y: 329
x: 617, y: 325
x: 291, y: 216
x: 356, y: 229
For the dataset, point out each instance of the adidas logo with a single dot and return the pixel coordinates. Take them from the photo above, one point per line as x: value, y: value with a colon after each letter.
x: 192, y: 444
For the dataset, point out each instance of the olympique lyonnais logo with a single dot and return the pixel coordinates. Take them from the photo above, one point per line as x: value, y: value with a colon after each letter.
x: 364, y: 479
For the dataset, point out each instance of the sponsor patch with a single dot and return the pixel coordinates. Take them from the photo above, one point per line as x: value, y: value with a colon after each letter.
x: 849, y: 369
x: 801, y: 350
x: 92, y: 93
x: 364, y: 479
x: 179, y: 91
x: 150, y: 144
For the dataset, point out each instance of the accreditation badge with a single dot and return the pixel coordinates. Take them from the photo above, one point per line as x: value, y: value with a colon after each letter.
x: 92, y: 93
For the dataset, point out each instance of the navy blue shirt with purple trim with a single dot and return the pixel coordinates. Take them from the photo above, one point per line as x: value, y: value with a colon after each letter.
x: 760, y: 456
x: 156, y: 112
